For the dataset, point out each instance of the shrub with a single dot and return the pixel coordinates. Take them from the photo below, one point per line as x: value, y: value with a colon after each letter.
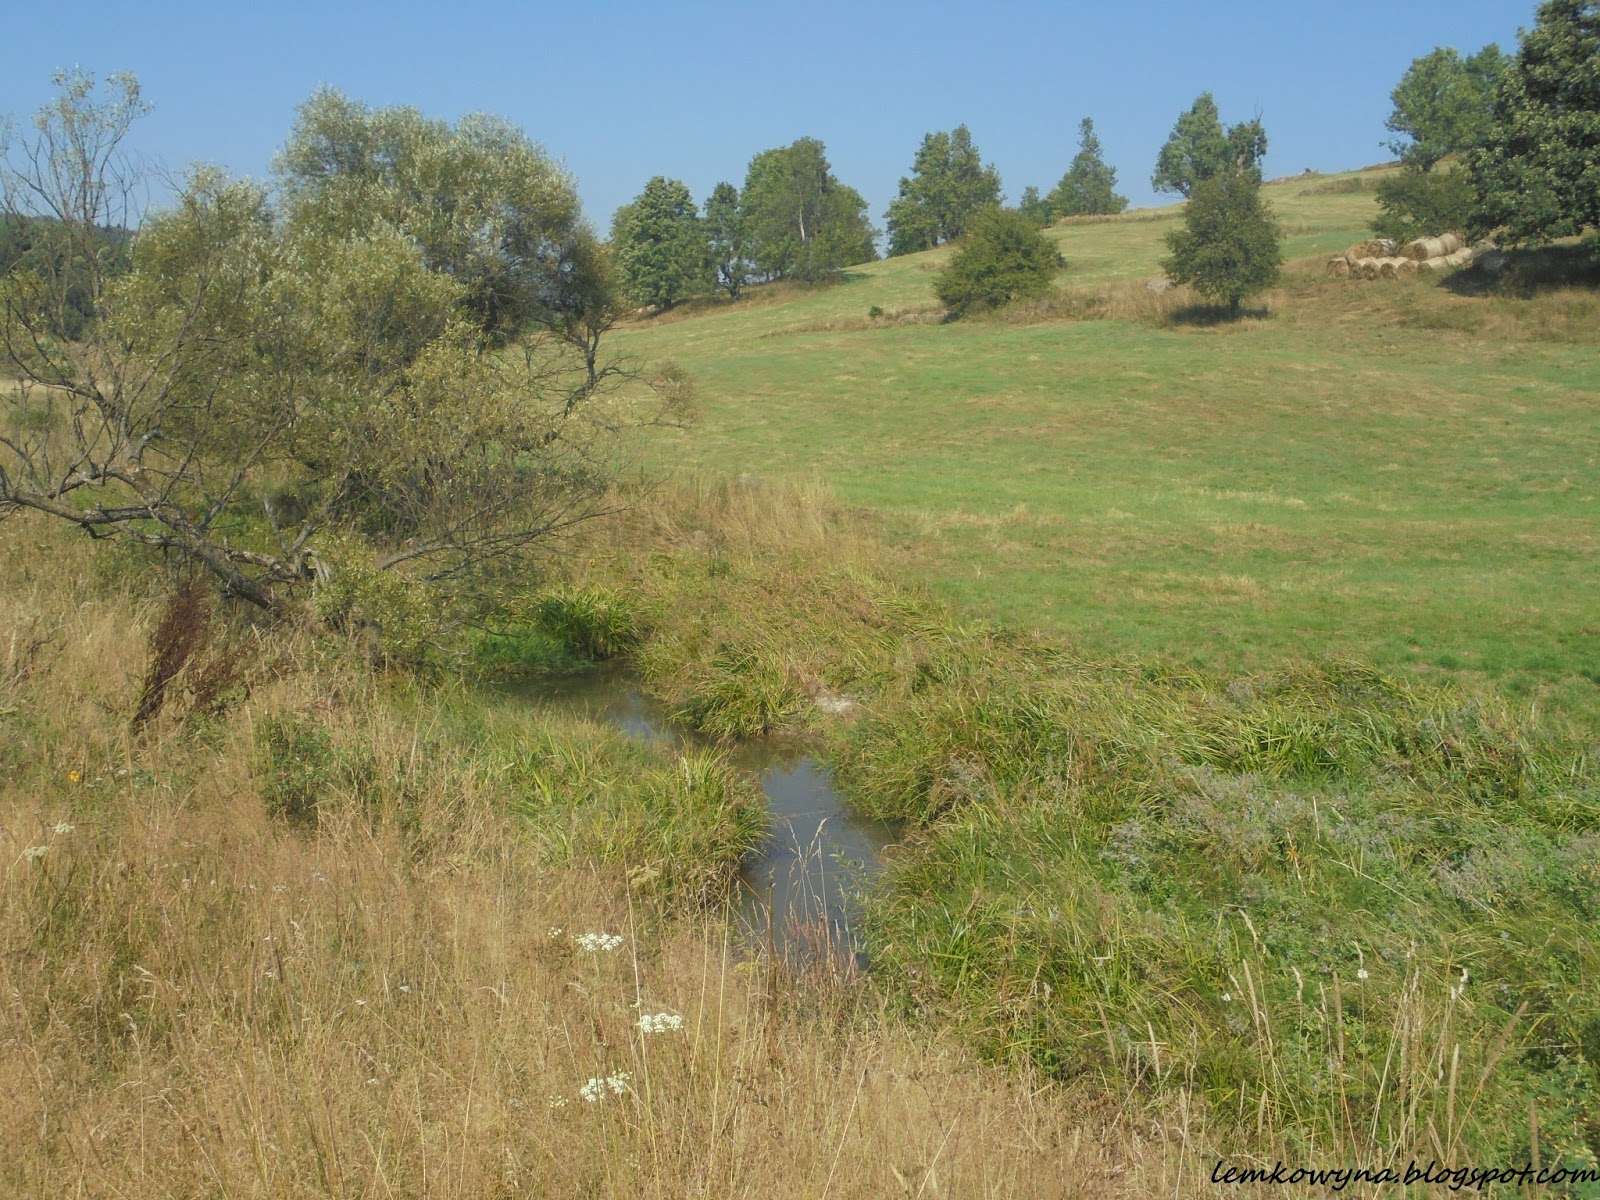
x: 1229, y: 246
x: 1415, y: 204
x: 1003, y: 258
x: 295, y: 765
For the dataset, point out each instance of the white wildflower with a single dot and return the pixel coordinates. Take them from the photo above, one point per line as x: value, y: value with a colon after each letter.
x: 554, y: 931
x: 663, y: 1022
x: 361, y: 1003
x: 551, y: 1102
x: 1362, y: 973
x: 35, y: 853
x: 63, y: 828
x: 599, y: 942
x: 1227, y: 997
x: 595, y: 1090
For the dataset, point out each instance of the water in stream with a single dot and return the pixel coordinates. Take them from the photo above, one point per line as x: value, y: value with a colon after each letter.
x: 818, y: 854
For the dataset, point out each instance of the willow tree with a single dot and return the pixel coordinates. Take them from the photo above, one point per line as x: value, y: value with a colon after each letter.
x: 287, y: 394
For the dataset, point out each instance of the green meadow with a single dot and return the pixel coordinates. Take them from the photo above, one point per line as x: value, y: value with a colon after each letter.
x: 1398, y: 471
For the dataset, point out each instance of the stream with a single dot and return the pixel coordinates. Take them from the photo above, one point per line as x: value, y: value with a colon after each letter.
x: 799, y: 889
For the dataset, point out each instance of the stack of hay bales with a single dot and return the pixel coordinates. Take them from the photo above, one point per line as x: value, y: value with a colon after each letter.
x: 1380, y: 258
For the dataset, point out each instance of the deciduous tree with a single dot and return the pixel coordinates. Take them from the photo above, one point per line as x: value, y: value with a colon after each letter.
x: 801, y: 221
x: 318, y: 354
x: 1444, y: 104
x: 1537, y: 173
x: 1229, y: 246
x: 725, y: 234
x: 948, y: 185
x: 1199, y: 148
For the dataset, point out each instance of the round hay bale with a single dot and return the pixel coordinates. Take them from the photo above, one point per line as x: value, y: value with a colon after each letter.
x: 1460, y: 258
x: 1425, y: 248
x: 1388, y: 268
x: 1339, y: 266
x: 1368, y: 267
x: 1450, y: 243
x: 1409, y: 266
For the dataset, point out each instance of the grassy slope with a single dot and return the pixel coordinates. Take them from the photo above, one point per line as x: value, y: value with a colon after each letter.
x: 1378, y: 470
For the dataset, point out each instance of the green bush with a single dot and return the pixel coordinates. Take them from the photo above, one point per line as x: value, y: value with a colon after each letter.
x: 295, y: 765
x: 1413, y: 204
x: 1003, y: 258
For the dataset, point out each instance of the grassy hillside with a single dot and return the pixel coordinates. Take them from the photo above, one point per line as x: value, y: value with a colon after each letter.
x: 1396, y: 471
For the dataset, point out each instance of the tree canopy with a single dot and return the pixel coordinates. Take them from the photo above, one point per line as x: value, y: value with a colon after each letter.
x: 1089, y: 186
x: 660, y: 245
x: 1199, y: 148
x: 948, y: 185
x: 480, y: 200
x: 1537, y: 173
x: 1230, y: 245
x: 802, y: 222
x: 1444, y: 104
x: 725, y: 239
x: 331, y: 349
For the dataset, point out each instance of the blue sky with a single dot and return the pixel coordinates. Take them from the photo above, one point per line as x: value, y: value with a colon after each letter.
x: 624, y: 91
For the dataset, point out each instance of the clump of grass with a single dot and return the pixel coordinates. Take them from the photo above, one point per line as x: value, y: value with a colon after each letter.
x: 740, y: 693
x: 594, y: 623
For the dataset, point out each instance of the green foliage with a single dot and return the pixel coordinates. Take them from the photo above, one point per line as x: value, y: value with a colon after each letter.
x: 479, y: 199
x: 1444, y: 104
x: 802, y: 222
x: 1089, y: 188
x: 1537, y: 173
x: 948, y: 185
x: 295, y: 765
x: 333, y: 348
x: 402, y: 621
x: 593, y: 622
x: 1229, y: 246
x: 660, y: 244
x: 1034, y: 207
x: 1198, y: 149
x: 1004, y: 257
x: 1109, y: 859
x: 1414, y: 203
x: 725, y: 234
x: 739, y: 692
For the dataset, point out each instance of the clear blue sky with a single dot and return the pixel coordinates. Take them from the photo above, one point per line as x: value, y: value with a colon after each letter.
x: 624, y: 91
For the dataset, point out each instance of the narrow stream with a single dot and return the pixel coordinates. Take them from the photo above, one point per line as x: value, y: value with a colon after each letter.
x: 800, y: 888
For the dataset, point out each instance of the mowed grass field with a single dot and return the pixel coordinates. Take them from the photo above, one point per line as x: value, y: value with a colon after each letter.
x: 1398, y: 471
